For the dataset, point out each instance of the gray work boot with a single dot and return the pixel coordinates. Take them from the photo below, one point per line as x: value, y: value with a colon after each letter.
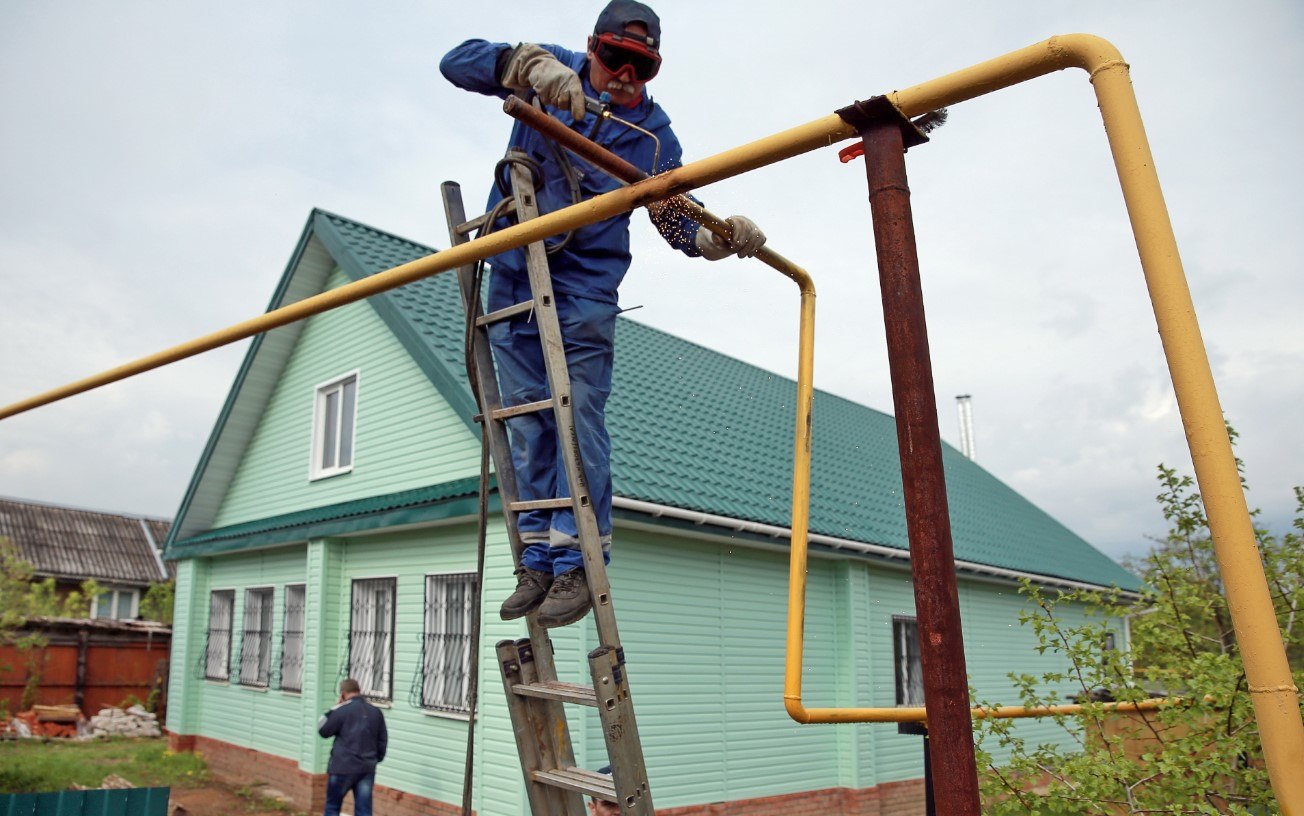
x: 531, y: 587
x: 567, y: 601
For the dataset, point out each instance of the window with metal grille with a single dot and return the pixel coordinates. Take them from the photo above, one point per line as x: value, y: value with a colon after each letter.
x: 446, y: 642
x: 909, y: 668
x: 217, y: 652
x: 371, y: 637
x: 256, y: 645
x: 292, y: 638
x: 333, y: 424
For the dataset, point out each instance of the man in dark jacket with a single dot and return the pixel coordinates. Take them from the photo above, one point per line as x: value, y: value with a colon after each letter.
x: 622, y: 55
x: 360, y: 741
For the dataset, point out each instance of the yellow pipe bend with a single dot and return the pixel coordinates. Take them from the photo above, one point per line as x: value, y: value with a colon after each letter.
x: 1274, y: 694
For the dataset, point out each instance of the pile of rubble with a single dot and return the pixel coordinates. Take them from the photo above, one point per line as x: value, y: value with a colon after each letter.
x: 67, y: 721
x: 48, y: 721
x: 129, y: 722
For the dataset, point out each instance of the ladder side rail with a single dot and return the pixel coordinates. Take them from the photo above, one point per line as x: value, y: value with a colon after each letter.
x: 549, y: 733
x: 620, y: 731
x: 487, y: 396
x: 544, y: 801
x: 606, y: 664
x: 541, y: 799
x: 554, y: 356
x: 489, y: 399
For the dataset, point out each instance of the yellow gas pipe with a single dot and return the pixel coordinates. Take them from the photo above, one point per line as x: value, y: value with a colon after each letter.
x: 1275, y: 696
x: 1276, y: 699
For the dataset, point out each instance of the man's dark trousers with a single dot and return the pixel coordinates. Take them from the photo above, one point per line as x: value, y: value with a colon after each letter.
x: 337, y: 785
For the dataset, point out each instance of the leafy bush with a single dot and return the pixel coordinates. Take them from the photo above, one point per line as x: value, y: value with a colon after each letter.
x: 1199, y: 755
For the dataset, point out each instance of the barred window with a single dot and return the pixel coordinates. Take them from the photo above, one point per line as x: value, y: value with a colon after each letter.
x: 909, y: 667
x: 371, y: 637
x: 292, y: 638
x: 446, y: 642
x: 217, y: 652
x: 256, y: 645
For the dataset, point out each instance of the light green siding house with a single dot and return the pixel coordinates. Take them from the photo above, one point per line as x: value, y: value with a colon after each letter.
x: 329, y: 530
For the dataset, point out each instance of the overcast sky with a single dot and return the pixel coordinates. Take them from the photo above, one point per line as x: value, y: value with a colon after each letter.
x: 158, y: 161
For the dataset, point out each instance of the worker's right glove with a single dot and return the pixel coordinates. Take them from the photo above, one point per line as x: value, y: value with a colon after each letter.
x: 531, y: 66
x: 745, y: 241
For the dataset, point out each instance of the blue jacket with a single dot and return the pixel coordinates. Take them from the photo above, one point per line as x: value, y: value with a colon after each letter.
x: 360, y: 737
x: 595, y: 261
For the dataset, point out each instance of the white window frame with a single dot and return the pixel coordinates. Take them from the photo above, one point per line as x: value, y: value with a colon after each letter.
x: 378, y: 682
x: 224, y: 671
x: 438, y: 673
x: 292, y: 680
x: 114, y: 592
x: 316, y: 470
x: 905, y: 665
x: 256, y: 657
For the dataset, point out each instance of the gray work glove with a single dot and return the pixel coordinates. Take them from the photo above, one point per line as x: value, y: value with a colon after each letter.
x: 531, y: 66
x: 745, y: 241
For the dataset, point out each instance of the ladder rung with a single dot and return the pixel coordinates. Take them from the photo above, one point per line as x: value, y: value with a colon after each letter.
x: 540, y: 504
x: 504, y: 314
x: 472, y: 225
x: 526, y: 408
x: 556, y: 690
x: 589, y: 783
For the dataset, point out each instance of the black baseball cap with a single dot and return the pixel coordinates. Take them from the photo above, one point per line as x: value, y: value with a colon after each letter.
x: 620, y: 13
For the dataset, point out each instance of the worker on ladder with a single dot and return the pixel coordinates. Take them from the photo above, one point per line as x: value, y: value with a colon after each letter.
x: 586, y: 267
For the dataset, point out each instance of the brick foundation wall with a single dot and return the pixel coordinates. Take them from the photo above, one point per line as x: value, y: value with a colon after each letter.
x: 889, y: 799
x: 245, y: 766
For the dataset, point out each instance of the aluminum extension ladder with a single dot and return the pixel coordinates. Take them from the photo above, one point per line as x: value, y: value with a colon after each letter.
x: 535, y: 697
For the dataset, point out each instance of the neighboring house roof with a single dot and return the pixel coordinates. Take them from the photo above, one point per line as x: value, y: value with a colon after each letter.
x: 691, y: 429
x: 69, y: 542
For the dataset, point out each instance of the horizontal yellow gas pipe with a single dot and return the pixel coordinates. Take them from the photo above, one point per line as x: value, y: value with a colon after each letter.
x: 1276, y: 699
x: 819, y: 133
x: 918, y: 713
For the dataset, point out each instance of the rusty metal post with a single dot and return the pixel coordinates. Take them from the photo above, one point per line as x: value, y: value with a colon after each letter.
x: 79, y: 684
x: 886, y: 135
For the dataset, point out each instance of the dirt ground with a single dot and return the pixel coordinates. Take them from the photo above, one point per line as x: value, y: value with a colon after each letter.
x: 217, y: 799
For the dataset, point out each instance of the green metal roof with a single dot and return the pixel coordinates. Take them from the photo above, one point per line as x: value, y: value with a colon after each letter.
x: 694, y: 429
x: 424, y: 504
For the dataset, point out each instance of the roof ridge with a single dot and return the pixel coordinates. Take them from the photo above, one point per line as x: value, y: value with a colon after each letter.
x: 79, y: 509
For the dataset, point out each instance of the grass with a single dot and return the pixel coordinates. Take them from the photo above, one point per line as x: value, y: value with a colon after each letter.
x: 37, y: 766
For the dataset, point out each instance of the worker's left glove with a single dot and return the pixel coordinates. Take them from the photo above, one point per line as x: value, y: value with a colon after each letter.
x: 532, y: 66
x: 745, y: 240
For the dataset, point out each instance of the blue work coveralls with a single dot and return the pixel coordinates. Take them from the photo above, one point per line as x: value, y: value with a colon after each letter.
x: 585, y: 277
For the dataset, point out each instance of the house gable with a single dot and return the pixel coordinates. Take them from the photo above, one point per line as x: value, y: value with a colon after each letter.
x: 407, y: 436
x: 252, y: 469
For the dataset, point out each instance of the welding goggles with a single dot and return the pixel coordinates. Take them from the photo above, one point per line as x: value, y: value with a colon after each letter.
x: 617, y: 53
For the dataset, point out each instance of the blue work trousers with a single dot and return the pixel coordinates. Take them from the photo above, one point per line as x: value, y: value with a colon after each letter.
x: 337, y: 785
x: 588, y: 330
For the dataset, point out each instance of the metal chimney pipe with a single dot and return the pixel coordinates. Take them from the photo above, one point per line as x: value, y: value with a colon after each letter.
x: 964, y: 404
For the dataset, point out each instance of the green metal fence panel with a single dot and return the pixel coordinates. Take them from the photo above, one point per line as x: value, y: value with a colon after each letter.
x: 129, y: 802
